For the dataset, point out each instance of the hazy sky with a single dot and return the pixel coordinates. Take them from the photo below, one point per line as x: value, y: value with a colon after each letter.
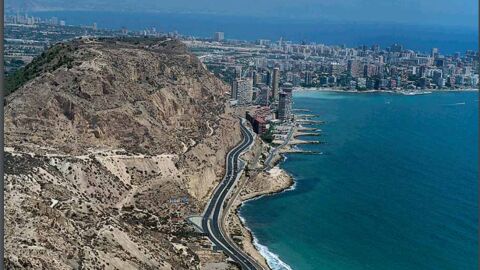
x: 439, y: 12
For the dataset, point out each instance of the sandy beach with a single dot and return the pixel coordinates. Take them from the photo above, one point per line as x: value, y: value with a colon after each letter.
x: 398, y: 91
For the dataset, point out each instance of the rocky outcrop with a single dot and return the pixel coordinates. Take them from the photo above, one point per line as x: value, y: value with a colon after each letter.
x: 150, y: 97
x: 110, y: 145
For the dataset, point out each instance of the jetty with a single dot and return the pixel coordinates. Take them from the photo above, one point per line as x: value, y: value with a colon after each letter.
x: 300, y: 151
x: 297, y: 141
x: 300, y: 110
x: 309, y: 122
x: 298, y: 134
x: 305, y: 115
x: 307, y: 129
x: 285, y: 138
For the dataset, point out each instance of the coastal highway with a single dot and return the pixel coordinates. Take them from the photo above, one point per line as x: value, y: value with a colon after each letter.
x: 213, y: 215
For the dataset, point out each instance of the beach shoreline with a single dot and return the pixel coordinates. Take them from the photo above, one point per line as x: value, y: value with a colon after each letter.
x: 255, y: 186
x: 254, y: 190
x: 401, y: 92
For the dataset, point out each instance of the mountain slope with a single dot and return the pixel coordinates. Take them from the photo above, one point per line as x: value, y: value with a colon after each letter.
x: 150, y: 97
x: 108, y: 153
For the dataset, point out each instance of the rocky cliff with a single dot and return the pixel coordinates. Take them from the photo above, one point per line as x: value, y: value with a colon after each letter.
x: 110, y: 145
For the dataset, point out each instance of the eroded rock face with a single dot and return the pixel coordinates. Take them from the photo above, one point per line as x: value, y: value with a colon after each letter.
x: 151, y: 97
x: 108, y: 149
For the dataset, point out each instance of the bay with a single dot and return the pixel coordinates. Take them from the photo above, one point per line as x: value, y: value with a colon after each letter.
x: 395, y: 188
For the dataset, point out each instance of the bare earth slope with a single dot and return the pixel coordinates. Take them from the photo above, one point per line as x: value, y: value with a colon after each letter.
x: 109, y: 147
x: 144, y: 97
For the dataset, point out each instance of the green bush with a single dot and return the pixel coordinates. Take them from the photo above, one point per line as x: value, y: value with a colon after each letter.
x: 48, y: 61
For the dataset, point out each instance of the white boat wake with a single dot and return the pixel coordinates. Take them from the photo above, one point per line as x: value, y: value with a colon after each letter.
x: 456, y: 104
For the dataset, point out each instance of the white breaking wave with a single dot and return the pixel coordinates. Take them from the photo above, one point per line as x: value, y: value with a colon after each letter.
x: 292, y: 187
x: 272, y: 259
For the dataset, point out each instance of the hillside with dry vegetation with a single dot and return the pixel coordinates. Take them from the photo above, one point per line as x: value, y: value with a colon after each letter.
x: 110, y: 145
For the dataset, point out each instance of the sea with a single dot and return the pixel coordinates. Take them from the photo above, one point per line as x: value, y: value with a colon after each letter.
x: 394, y: 188
x: 449, y: 39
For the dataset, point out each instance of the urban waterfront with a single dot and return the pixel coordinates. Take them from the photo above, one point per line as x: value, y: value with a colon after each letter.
x: 418, y: 37
x: 395, y: 187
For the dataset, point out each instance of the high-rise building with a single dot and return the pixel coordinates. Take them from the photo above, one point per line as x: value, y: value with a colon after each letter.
x: 242, y: 91
x: 396, y: 48
x: 369, y: 70
x: 285, y: 104
x: 275, y: 83
x: 437, y: 74
x: 450, y: 81
x: 263, y: 95
x: 218, y: 36
x: 335, y: 69
x: 30, y: 20
x: 308, y: 78
x: 439, y: 62
x: 268, y: 79
x: 263, y: 42
x: 332, y: 80
x: 474, y: 80
x: 324, y: 81
x: 440, y: 82
x: 94, y: 27
x: 54, y: 20
x: 234, y: 91
x: 434, y: 52
x: 355, y: 68
x: 423, y: 71
x: 238, y: 72
x: 257, y: 77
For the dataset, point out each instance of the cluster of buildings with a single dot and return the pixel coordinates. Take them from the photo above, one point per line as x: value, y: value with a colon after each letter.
x: 218, y: 36
x: 338, y: 67
x: 269, y: 101
x: 31, y: 20
x: 263, y: 73
x: 26, y: 37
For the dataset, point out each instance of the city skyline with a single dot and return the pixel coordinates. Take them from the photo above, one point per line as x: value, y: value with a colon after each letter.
x: 61, y: 19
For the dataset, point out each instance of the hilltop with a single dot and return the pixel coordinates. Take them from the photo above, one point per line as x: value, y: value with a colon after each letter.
x: 148, y: 96
x: 110, y: 145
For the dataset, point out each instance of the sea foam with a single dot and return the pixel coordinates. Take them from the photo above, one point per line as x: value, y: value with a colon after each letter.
x: 272, y: 259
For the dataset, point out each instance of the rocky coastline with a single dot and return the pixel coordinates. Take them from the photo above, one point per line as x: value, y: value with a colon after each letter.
x: 258, y: 181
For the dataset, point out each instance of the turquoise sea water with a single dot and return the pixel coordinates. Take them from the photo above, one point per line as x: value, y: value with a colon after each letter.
x: 396, y: 187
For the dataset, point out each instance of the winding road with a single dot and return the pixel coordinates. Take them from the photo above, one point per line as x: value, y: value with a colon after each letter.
x: 213, y: 215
